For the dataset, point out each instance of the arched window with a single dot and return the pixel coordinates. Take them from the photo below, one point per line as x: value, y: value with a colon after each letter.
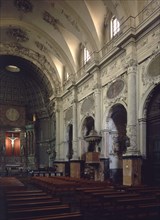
x: 66, y: 74
x: 115, y: 26
x: 86, y: 55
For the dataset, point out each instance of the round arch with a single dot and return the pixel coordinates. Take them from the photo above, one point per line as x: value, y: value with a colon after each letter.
x: 115, y: 137
x: 38, y: 60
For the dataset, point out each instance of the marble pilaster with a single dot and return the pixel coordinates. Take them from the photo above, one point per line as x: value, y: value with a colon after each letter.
x: 75, y: 139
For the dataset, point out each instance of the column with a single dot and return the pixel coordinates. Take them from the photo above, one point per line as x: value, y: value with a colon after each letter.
x: 75, y: 164
x: 97, y: 93
x: 131, y: 115
x: 75, y: 139
x: 142, y: 136
x: 57, y: 112
x: 132, y: 159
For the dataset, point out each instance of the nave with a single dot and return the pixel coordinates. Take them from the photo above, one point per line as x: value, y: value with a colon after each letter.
x: 66, y: 198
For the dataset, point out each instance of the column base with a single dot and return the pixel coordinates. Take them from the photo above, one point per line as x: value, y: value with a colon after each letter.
x: 132, y: 152
x: 75, y: 168
x: 132, y: 170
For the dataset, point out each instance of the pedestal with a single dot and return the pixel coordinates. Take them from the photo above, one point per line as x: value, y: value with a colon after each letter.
x: 132, y: 170
x: 75, y: 169
x: 60, y: 166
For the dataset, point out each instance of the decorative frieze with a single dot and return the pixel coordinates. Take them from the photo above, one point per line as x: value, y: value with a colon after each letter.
x: 85, y: 89
x: 150, y: 9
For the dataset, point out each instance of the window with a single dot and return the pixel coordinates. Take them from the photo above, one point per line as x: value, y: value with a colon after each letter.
x: 86, y: 55
x: 66, y: 74
x: 115, y: 26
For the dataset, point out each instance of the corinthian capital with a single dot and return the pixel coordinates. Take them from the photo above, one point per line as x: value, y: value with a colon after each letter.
x: 131, y: 63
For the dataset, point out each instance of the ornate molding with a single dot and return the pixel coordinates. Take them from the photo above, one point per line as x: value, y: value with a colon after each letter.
x: 41, y: 46
x: 23, y: 5
x: 51, y: 20
x: 17, y: 34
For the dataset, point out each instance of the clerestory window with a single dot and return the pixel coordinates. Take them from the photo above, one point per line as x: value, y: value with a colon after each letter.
x: 115, y: 26
x: 86, y: 55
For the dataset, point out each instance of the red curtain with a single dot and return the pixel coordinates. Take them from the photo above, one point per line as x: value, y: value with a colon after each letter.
x: 12, y: 144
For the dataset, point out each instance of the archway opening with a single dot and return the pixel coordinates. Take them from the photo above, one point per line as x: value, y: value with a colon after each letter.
x: 70, y: 142
x: 116, y: 141
x: 153, y: 138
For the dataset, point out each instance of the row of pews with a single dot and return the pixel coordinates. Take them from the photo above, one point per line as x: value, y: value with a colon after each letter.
x: 127, y: 203
x: 37, y: 205
x: 100, y: 200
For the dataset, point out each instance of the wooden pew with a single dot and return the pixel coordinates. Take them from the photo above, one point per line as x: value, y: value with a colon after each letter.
x: 37, y: 211
x: 10, y: 192
x: 149, y: 211
x: 42, y: 203
x: 64, y: 216
x: 27, y: 199
x: 20, y: 195
x: 135, y: 201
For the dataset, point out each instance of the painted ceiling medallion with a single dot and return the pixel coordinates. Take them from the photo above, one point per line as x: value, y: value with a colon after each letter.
x: 23, y: 5
x: 17, y: 34
x: 12, y: 114
x: 115, y: 88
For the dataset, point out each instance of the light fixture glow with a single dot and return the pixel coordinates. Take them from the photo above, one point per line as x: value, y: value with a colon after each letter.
x: 13, y: 68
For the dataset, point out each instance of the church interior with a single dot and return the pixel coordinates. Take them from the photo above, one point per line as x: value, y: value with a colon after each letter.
x: 79, y: 109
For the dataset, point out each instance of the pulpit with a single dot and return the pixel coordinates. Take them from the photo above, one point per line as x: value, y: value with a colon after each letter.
x: 92, y: 157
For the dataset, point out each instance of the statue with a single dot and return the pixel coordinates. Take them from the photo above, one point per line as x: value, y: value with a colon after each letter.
x: 12, y: 138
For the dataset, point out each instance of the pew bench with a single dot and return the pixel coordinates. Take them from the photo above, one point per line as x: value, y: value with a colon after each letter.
x: 20, y: 195
x: 10, y: 192
x: 22, y: 205
x: 27, y: 199
x: 149, y: 211
x: 135, y: 202
x: 61, y: 216
x: 37, y: 211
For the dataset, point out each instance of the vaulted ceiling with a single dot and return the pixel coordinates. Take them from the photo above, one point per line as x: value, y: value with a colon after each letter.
x: 42, y: 37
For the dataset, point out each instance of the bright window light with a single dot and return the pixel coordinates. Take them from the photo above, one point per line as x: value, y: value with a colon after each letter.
x: 87, y: 56
x: 115, y: 26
